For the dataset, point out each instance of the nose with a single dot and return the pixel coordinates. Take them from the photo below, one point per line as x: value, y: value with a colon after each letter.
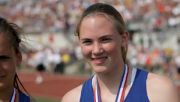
x: 97, y: 49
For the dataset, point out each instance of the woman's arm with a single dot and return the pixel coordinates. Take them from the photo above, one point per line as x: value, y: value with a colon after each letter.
x: 161, y: 89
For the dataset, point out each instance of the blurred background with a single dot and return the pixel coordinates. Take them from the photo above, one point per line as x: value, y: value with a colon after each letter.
x: 52, y: 60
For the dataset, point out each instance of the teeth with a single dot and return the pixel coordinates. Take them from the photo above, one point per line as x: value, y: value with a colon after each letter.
x: 99, y: 58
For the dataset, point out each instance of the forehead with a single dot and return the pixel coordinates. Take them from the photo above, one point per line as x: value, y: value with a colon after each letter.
x: 101, y: 17
x: 4, y: 41
x: 97, y: 24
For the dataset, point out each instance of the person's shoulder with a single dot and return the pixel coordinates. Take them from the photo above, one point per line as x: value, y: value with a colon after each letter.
x: 23, y: 97
x: 161, y: 88
x: 73, y: 95
x: 159, y: 80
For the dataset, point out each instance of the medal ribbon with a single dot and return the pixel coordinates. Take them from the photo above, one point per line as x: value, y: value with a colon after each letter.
x: 13, y: 98
x: 121, y: 88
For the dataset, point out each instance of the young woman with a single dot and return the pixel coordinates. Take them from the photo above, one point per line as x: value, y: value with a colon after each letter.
x: 104, y: 42
x: 10, y: 59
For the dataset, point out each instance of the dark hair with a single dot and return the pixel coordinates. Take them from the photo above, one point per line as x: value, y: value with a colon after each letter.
x: 12, y: 31
x: 13, y: 34
x: 112, y: 13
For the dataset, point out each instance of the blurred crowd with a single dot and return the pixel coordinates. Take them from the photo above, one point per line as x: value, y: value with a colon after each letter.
x: 37, y: 16
x: 42, y: 16
x: 162, y: 61
x: 47, y: 59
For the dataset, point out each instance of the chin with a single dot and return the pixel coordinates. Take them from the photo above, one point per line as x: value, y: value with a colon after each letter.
x: 1, y: 86
x: 99, y: 69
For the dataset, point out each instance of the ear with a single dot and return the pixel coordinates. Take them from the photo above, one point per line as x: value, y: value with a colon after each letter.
x: 77, y: 40
x: 125, y: 39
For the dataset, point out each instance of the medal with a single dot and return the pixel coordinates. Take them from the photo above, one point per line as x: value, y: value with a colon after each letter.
x: 13, y: 98
x: 121, y: 88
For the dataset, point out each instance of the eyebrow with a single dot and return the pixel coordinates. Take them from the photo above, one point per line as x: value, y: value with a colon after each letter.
x: 107, y: 36
x: 104, y: 36
x: 83, y: 39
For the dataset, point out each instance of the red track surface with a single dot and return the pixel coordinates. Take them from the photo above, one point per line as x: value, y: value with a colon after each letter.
x: 53, y: 86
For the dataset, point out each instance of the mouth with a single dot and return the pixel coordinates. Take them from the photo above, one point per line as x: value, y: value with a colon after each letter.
x: 99, y: 60
x: 2, y: 76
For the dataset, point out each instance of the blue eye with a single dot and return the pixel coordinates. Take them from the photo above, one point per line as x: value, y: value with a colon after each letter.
x: 105, y: 40
x: 86, y: 42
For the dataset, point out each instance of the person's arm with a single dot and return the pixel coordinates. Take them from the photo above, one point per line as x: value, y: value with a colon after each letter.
x: 73, y: 95
x: 161, y: 89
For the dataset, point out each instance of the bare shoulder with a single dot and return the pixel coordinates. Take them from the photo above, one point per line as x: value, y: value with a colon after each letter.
x: 161, y: 89
x: 156, y: 80
x: 73, y: 95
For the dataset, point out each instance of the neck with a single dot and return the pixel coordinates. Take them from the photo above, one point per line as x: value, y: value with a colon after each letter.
x: 6, y: 94
x: 110, y: 81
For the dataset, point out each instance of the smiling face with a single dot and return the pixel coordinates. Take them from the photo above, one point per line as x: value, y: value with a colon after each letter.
x: 101, y: 43
x: 9, y: 60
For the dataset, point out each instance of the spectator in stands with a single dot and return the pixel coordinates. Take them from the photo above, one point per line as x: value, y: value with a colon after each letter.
x: 104, y: 41
x: 10, y: 59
